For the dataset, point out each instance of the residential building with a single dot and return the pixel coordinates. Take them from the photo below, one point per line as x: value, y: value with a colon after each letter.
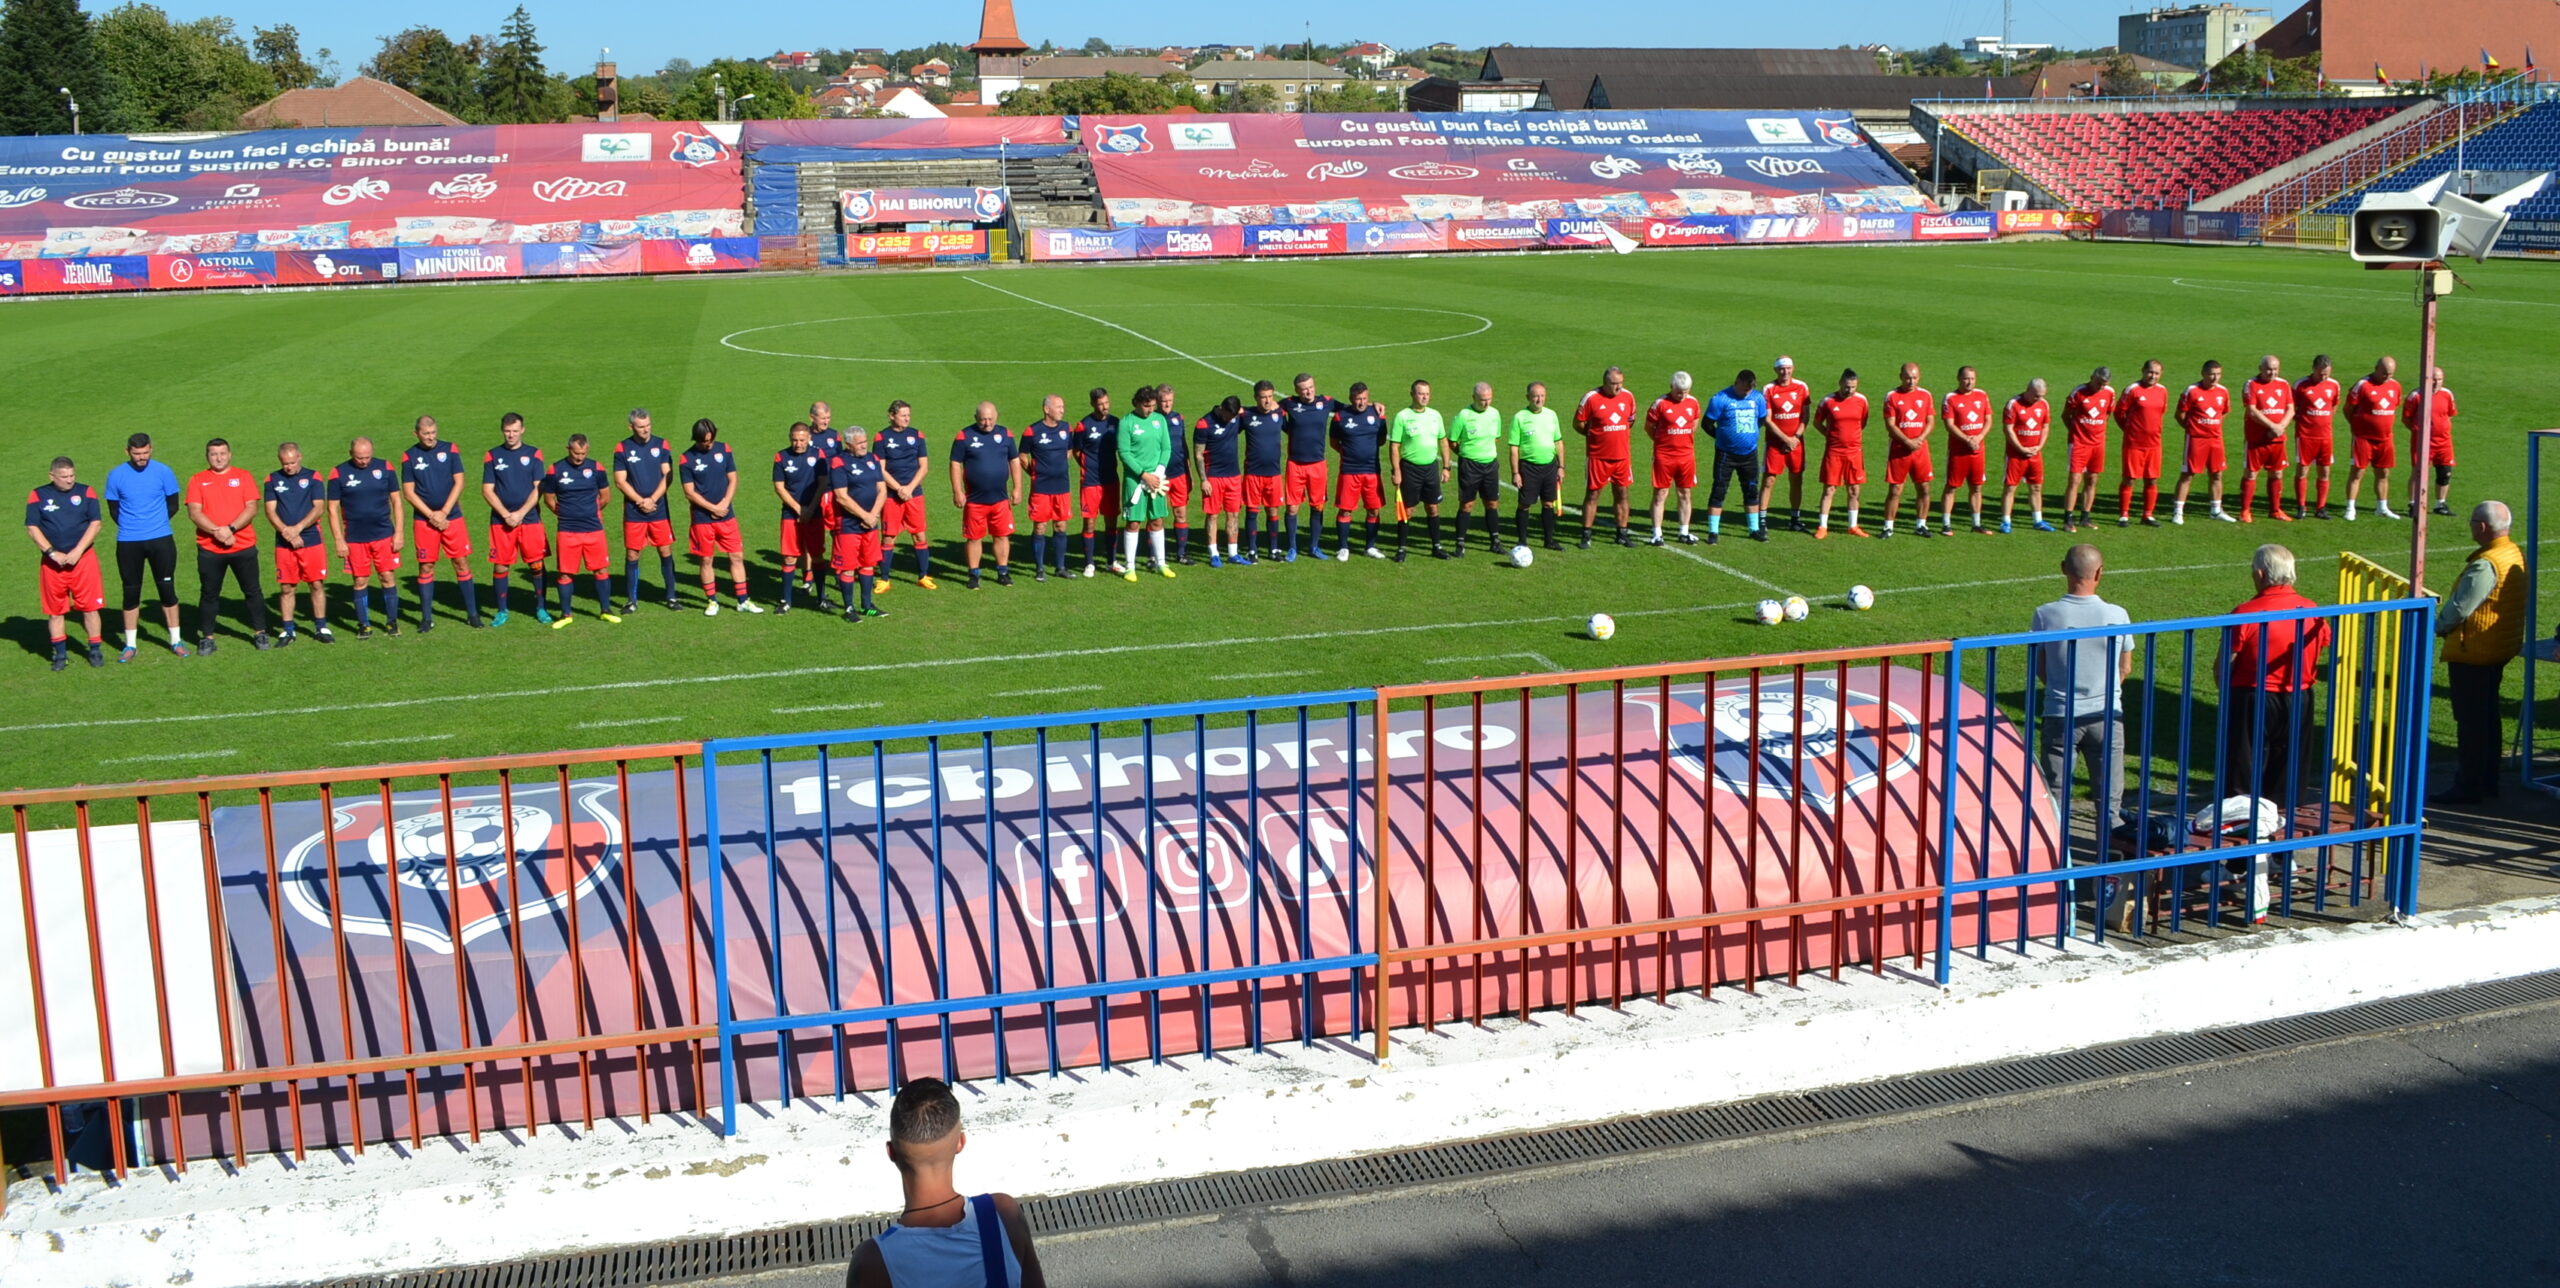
x: 797, y: 60
x: 2192, y: 36
x: 1579, y: 79
x: 1440, y: 94
x: 933, y: 72
x: 1995, y: 47
x: 1368, y: 54
x: 2083, y: 77
x: 358, y: 100
x: 1292, y: 78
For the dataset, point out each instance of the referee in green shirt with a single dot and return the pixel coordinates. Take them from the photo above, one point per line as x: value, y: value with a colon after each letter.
x: 1537, y: 461
x: 1416, y: 434
x: 1475, y: 439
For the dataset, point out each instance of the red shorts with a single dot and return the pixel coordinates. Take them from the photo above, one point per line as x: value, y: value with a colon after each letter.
x: 522, y: 544
x: 1265, y: 492
x: 1843, y: 468
x: 1099, y: 502
x: 2266, y: 456
x: 857, y: 553
x: 75, y: 587
x: 1177, y: 492
x: 2440, y: 451
x: 804, y: 536
x: 1677, y: 471
x: 898, y: 516
x: 364, y: 557
x: 657, y: 534
x: 2375, y: 453
x: 1966, y: 468
x: 1307, y: 484
x: 712, y: 537
x: 1598, y: 474
x: 1049, y: 507
x: 2207, y: 455
x: 1358, y: 492
x: 1909, y: 467
x: 582, y: 552
x: 297, y: 565
x: 2311, y: 449
x: 1222, y: 495
x: 454, y: 542
x: 1782, y: 461
x: 2142, y: 460
x: 981, y: 521
x: 2089, y: 458
x: 2023, y: 469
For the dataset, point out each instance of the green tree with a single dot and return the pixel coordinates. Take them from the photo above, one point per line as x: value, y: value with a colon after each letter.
x: 427, y: 63
x: 1114, y: 92
x: 1096, y: 45
x: 1355, y: 98
x: 179, y: 76
x: 774, y: 99
x: 2244, y: 71
x: 279, y: 50
x: 1255, y: 96
x: 2118, y: 79
x: 515, y: 88
x: 47, y: 46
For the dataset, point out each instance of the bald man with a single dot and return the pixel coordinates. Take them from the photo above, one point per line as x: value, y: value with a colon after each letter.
x: 986, y: 472
x: 365, y: 510
x: 1790, y: 401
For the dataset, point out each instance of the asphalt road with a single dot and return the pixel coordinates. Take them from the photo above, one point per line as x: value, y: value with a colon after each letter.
x: 2414, y: 1158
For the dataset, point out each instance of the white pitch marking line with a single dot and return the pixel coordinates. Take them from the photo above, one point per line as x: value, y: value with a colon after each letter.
x: 625, y: 724
x: 175, y: 755
x: 1539, y: 658
x: 385, y: 742
x: 1114, y: 326
x: 832, y: 706
x: 1043, y: 693
x: 1727, y: 569
x: 865, y: 668
x: 1270, y: 675
x: 729, y: 341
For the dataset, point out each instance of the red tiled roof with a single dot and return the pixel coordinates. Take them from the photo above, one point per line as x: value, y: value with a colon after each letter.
x: 361, y: 100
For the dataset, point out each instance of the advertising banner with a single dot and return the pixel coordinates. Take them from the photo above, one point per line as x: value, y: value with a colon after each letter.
x: 11, y: 280
x: 1572, y: 234
x: 1873, y: 227
x: 2216, y: 226
x: 921, y: 205
x: 1396, y: 167
x: 1496, y: 234
x: 2046, y: 221
x: 1187, y: 243
x: 905, y: 140
x: 699, y: 255
x: 1397, y: 238
x: 1294, y: 239
x: 444, y: 263
x: 64, y: 196
x: 223, y: 268
x: 582, y: 259
x: 913, y: 245
x: 100, y: 273
x: 336, y: 267
x: 1962, y: 225
x: 1085, y: 243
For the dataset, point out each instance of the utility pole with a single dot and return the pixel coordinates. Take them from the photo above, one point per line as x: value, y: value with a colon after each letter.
x: 2433, y: 279
x: 75, y: 109
x: 720, y: 93
x: 2008, y: 14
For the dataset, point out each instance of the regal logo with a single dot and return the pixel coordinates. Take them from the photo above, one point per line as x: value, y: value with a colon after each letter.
x: 459, y: 882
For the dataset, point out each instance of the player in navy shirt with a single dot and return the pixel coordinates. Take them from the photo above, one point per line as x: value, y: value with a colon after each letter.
x: 1266, y: 450
x: 297, y: 505
x: 1046, y: 447
x: 1098, y: 460
x: 643, y: 471
x: 1310, y: 430
x: 985, y: 470
x: 1177, y: 496
x: 364, y: 513
x: 800, y: 483
x: 861, y: 492
x: 709, y: 472
x: 903, y: 464
x: 511, y: 482
x: 431, y: 480
x: 1218, y: 442
x: 827, y: 439
x: 1359, y: 434
x: 575, y: 490
x: 63, y: 518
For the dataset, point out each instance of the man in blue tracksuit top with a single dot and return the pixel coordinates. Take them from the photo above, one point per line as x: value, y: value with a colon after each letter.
x: 1737, y: 414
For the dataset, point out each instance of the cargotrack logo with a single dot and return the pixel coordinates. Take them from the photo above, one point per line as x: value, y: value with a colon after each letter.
x: 1324, y: 170
x: 360, y: 190
x: 1432, y: 171
x: 1613, y: 167
x: 575, y: 189
x: 476, y: 186
x: 477, y: 886
x: 1784, y: 167
x: 10, y: 200
x: 121, y: 199
x: 1696, y: 163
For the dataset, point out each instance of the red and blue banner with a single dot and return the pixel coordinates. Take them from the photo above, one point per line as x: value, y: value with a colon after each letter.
x: 1402, y: 237
x: 935, y: 245
x: 699, y: 255
x: 1497, y: 234
x: 1294, y: 239
x: 336, y: 267
x: 99, y: 273
x: 1960, y: 225
x: 921, y: 205
x: 214, y: 269
x: 10, y: 281
x: 441, y: 263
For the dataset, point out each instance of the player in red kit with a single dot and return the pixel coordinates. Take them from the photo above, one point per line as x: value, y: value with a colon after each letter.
x: 1606, y: 420
x: 431, y: 480
x: 2201, y: 412
x: 2024, y: 423
x: 800, y: 482
x: 1672, y: 424
x: 2439, y: 436
x: 2371, y: 406
x: 2268, y: 405
x: 1909, y: 410
x: 1790, y: 401
x: 2316, y: 398
x: 1842, y: 418
x: 2085, y: 411
x: 2141, y: 412
x: 1967, y: 413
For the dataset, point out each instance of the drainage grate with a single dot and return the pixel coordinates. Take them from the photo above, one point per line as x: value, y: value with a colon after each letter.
x: 834, y: 1242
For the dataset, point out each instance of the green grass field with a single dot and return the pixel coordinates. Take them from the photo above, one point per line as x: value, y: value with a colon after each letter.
x: 751, y: 352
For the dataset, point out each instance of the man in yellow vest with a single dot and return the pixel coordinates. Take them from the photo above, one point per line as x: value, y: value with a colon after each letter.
x: 2481, y: 625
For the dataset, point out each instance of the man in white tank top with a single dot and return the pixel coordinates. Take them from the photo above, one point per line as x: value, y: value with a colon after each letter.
x: 943, y: 1239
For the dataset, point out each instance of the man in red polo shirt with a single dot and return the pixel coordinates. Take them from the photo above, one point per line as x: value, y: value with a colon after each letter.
x: 1606, y: 420
x: 1967, y: 415
x: 2372, y: 406
x: 2439, y: 436
x: 2085, y: 412
x: 1909, y: 410
x: 2201, y: 412
x: 2141, y: 412
x: 2023, y: 424
x: 1842, y: 418
x: 2316, y: 399
x: 2273, y: 668
x: 223, y: 503
x: 1790, y: 401
x: 2268, y: 406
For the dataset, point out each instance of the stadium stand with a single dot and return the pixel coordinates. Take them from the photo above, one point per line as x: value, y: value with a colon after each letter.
x: 2523, y: 144
x: 2137, y: 158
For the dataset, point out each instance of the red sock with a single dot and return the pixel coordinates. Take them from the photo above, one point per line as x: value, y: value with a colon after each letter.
x: 2324, y: 494
x: 2249, y: 495
x: 742, y: 590
x: 2124, y: 500
x: 2150, y: 499
x: 2298, y: 483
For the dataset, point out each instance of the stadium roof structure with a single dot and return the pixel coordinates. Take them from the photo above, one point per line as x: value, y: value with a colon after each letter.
x: 360, y: 100
x: 1584, y: 79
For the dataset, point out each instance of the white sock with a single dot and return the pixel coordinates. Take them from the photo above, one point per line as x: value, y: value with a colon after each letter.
x: 1684, y: 529
x: 1232, y: 550
x: 1155, y: 544
x: 1129, y: 549
x: 1888, y: 525
x: 129, y: 638
x: 2039, y: 514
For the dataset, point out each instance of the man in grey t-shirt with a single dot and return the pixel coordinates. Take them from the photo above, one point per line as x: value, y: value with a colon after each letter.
x: 2082, y: 681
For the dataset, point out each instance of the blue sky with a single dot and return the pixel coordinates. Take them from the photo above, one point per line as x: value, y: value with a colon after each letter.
x: 645, y: 33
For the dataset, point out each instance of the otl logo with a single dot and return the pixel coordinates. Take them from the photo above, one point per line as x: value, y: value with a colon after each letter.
x: 575, y: 189
x: 360, y: 190
x: 487, y: 888
x: 1813, y: 741
x: 476, y: 186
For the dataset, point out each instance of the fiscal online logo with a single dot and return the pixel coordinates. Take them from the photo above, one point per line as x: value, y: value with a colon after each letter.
x: 360, y: 190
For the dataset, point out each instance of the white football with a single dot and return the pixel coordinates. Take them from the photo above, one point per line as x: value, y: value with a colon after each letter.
x: 1521, y: 558
x: 1797, y: 609
x: 1861, y: 598
x: 1772, y: 612
x: 1601, y: 626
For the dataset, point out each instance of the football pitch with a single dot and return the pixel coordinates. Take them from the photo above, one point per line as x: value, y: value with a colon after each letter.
x: 752, y: 352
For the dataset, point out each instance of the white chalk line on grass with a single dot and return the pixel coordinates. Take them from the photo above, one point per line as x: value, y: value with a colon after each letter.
x: 1270, y: 675
x: 401, y: 741
x: 730, y: 341
x: 831, y: 706
x: 1045, y: 693
x: 1199, y: 361
x: 1053, y: 655
x: 174, y: 755
x: 1727, y: 569
x: 1540, y: 658
x: 626, y: 724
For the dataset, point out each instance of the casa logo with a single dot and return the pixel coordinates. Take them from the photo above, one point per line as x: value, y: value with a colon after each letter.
x: 1122, y: 140
x: 1810, y: 741
x: 1842, y: 131
x: 987, y: 204
x: 360, y: 190
x: 454, y: 876
x: 697, y: 150
x: 12, y: 198
x: 1324, y: 170
x: 1432, y: 171
x: 1612, y: 167
x: 700, y: 255
x: 1696, y: 163
x: 121, y: 199
x: 1784, y: 167
x: 1186, y: 242
x: 476, y: 186
x: 575, y: 189
x: 1254, y: 169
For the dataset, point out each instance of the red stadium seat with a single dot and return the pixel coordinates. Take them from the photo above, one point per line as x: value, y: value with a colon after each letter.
x: 2100, y: 161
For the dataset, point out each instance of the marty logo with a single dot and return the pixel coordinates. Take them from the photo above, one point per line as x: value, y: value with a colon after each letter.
x: 1815, y: 744
x: 1123, y: 140
x: 552, y: 864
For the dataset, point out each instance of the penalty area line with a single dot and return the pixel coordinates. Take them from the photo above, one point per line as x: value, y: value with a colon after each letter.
x: 1186, y: 357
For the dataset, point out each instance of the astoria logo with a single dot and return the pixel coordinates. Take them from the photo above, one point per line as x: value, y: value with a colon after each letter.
x: 576, y: 189
x: 464, y: 187
x: 119, y: 199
